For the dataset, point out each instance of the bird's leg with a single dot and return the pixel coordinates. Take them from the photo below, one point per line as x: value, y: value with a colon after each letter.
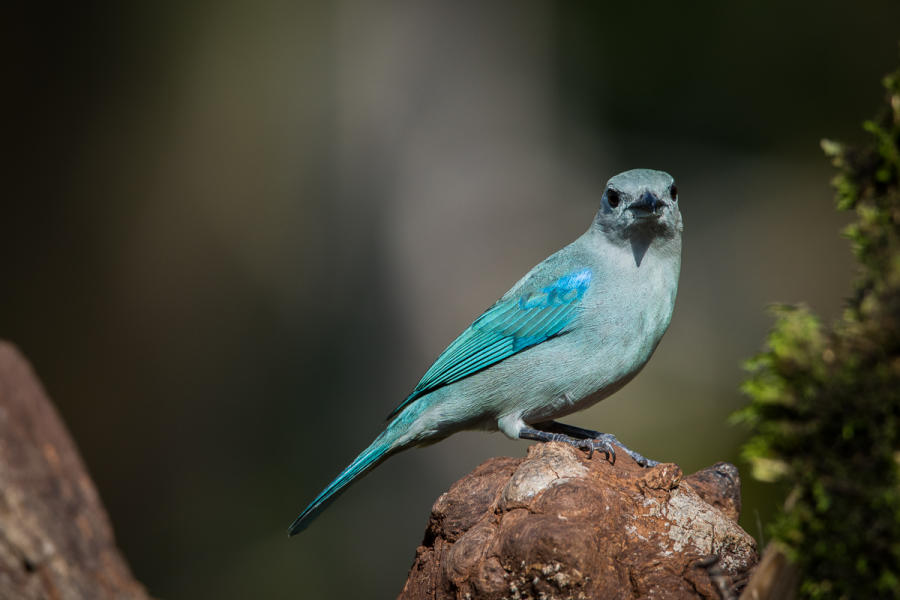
x: 557, y: 428
x: 585, y: 443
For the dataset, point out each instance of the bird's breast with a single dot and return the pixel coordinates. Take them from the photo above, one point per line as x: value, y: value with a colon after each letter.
x: 625, y: 319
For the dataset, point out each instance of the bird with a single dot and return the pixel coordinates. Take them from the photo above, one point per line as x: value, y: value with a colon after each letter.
x: 575, y: 329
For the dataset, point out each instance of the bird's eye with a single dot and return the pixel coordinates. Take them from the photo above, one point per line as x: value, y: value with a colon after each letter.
x: 612, y: 196
x: 673, y: 191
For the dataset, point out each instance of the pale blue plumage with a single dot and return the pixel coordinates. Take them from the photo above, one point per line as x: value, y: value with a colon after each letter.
x: 572, y: 331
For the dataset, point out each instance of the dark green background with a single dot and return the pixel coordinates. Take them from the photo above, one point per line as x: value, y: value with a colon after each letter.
x: 236, y: 234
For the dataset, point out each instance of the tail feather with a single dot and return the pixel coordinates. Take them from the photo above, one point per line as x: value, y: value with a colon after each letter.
x: 371, y: 457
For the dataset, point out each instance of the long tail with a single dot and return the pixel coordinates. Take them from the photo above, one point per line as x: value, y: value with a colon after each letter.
x: 371, y: 457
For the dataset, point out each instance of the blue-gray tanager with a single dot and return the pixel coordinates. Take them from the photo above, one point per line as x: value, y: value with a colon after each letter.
x: 575, y: 329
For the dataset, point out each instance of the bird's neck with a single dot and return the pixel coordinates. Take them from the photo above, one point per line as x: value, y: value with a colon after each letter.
x: 639, y: 245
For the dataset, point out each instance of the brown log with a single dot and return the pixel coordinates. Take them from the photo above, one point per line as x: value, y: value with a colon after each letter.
x: 775, y: 578
x: 56, y: 540
x: 558, y: 524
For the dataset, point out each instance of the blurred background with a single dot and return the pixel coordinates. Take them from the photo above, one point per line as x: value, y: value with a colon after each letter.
x: 236, y: 234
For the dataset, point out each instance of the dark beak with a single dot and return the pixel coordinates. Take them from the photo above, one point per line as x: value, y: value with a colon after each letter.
x: 646, y: 203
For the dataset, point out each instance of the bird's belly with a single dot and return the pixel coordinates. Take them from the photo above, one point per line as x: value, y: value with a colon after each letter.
x: 579, y: 369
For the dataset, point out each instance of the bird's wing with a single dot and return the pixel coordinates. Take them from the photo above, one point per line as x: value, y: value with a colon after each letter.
x: 508, y: 327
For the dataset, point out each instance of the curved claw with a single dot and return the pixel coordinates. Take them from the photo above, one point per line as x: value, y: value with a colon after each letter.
x: 590, y: 448
x: 594, y: 444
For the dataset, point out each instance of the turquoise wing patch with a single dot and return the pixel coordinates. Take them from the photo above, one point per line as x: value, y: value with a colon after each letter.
x: 506, y: 328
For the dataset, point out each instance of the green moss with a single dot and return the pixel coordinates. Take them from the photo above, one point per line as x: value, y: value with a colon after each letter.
x: 825, y: 401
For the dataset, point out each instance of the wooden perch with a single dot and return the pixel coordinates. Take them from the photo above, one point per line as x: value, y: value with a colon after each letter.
x: 557, y: 524
x: 55, y: 538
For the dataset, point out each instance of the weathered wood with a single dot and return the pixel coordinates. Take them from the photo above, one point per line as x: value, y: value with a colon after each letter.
x: 56, y: 540
x: 558, y: 524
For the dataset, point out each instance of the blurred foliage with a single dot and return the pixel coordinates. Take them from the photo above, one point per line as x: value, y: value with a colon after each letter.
x: 825, y: 402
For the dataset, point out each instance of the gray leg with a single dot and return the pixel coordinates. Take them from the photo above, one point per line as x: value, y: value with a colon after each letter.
x: 588, y: 434
x: 589, y: 444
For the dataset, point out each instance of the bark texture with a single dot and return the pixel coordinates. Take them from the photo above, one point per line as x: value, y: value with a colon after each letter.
x: 55, y: 538
x: 557, y: 524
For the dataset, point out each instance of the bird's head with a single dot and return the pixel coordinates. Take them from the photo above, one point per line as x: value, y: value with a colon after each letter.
x: 640, y: 203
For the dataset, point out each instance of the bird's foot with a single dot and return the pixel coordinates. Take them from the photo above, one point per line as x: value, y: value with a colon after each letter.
x: 606, y: 439
x: 640, y: 459
x: 597, y: 444
x: 589, y: 444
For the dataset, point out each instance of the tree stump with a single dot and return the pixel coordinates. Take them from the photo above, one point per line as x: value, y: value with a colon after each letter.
x: 55, y: 538
x: 558, y: 524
